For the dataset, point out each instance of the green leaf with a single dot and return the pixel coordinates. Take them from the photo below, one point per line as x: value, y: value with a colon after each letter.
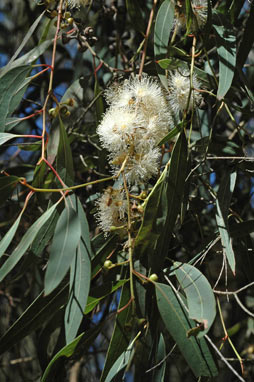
x: 45, y: 234
x: 34, y: 317
x: 163, y: 25
x: 119, y: 339
x: 173, y: 133
x: 6, y: 240
x: 67, y: 352
x: 27, y: 37
x: 195, y: 351
x: 7, y: 185
x: 222, y: 204
x: 25, y: 242
x: 65, y: 241
x: 28, y: 58
x: 162, y: 207
x: 200, y: 297
x: 99, y: 293
x: 121, y: 362
x: 5, y: 137
x: 226, y: 48
x: 12, y: 89
x: 64, y: 156
x: 159, y: 372
x: 79, y: 288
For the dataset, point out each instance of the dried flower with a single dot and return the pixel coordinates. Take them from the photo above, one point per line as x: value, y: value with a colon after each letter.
x: 112, y: 209
x: 179, y: 90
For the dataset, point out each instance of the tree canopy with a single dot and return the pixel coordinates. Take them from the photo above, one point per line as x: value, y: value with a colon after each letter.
x: 126, y: 132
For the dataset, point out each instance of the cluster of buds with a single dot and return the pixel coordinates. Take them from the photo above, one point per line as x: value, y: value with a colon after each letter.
x: 84, y: 36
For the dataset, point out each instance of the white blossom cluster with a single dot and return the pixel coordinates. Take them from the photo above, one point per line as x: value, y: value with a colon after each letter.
x: 180, y: 97
x: 112, y: 208
x: 137, y: 119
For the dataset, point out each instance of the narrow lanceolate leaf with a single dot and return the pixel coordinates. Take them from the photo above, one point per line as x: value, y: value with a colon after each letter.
x: 67, y: 352
x: 64, y: 156
x: 6, y: 240
x: 194, y: 350
x: 200, y: 297
x: 162, y: 208
x: 7, y: 185
x: 27, y: 37
x: 121, y: 362
x: 120, y: 337
x: 163, y: 25
x: 226, y: 48
x: 63, y: 249
x: 34, y: 317
x: 159, y: 371
x: 80, y: 275
x: 247, y: 39
x: 11, y: 91
x: 222, y: 204
x: 25, y: 242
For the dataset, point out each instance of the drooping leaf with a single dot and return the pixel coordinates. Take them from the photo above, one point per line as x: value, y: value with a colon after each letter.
x: 34, y: 317
x: 159, y: 372
x: 10, y: 93
x: 67, y: 352
x: 27, y: 37
x: 163, y: 25
x: 64, y: 156
x: 200, y: 297
x: 121, y: 362
x: 222, y: 204
x: 119, y: 339
x: 27, y: 58
x: 226, y: 48
x: 6, y: 240
x: 7, y: 185
x: 25, y: 242
x: 194, y: 350
x: 79, y: 288
x: 65, y: 241
x: 45, y: 234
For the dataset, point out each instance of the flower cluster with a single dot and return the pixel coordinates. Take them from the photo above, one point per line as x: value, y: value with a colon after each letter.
x: 112, y: 209
x: 137, y: 119
x: 179, y: 91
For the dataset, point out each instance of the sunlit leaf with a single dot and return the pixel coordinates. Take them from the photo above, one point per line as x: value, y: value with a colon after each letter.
x: 222, y: 203
x: 200, y: 297
x: 175, y: 318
